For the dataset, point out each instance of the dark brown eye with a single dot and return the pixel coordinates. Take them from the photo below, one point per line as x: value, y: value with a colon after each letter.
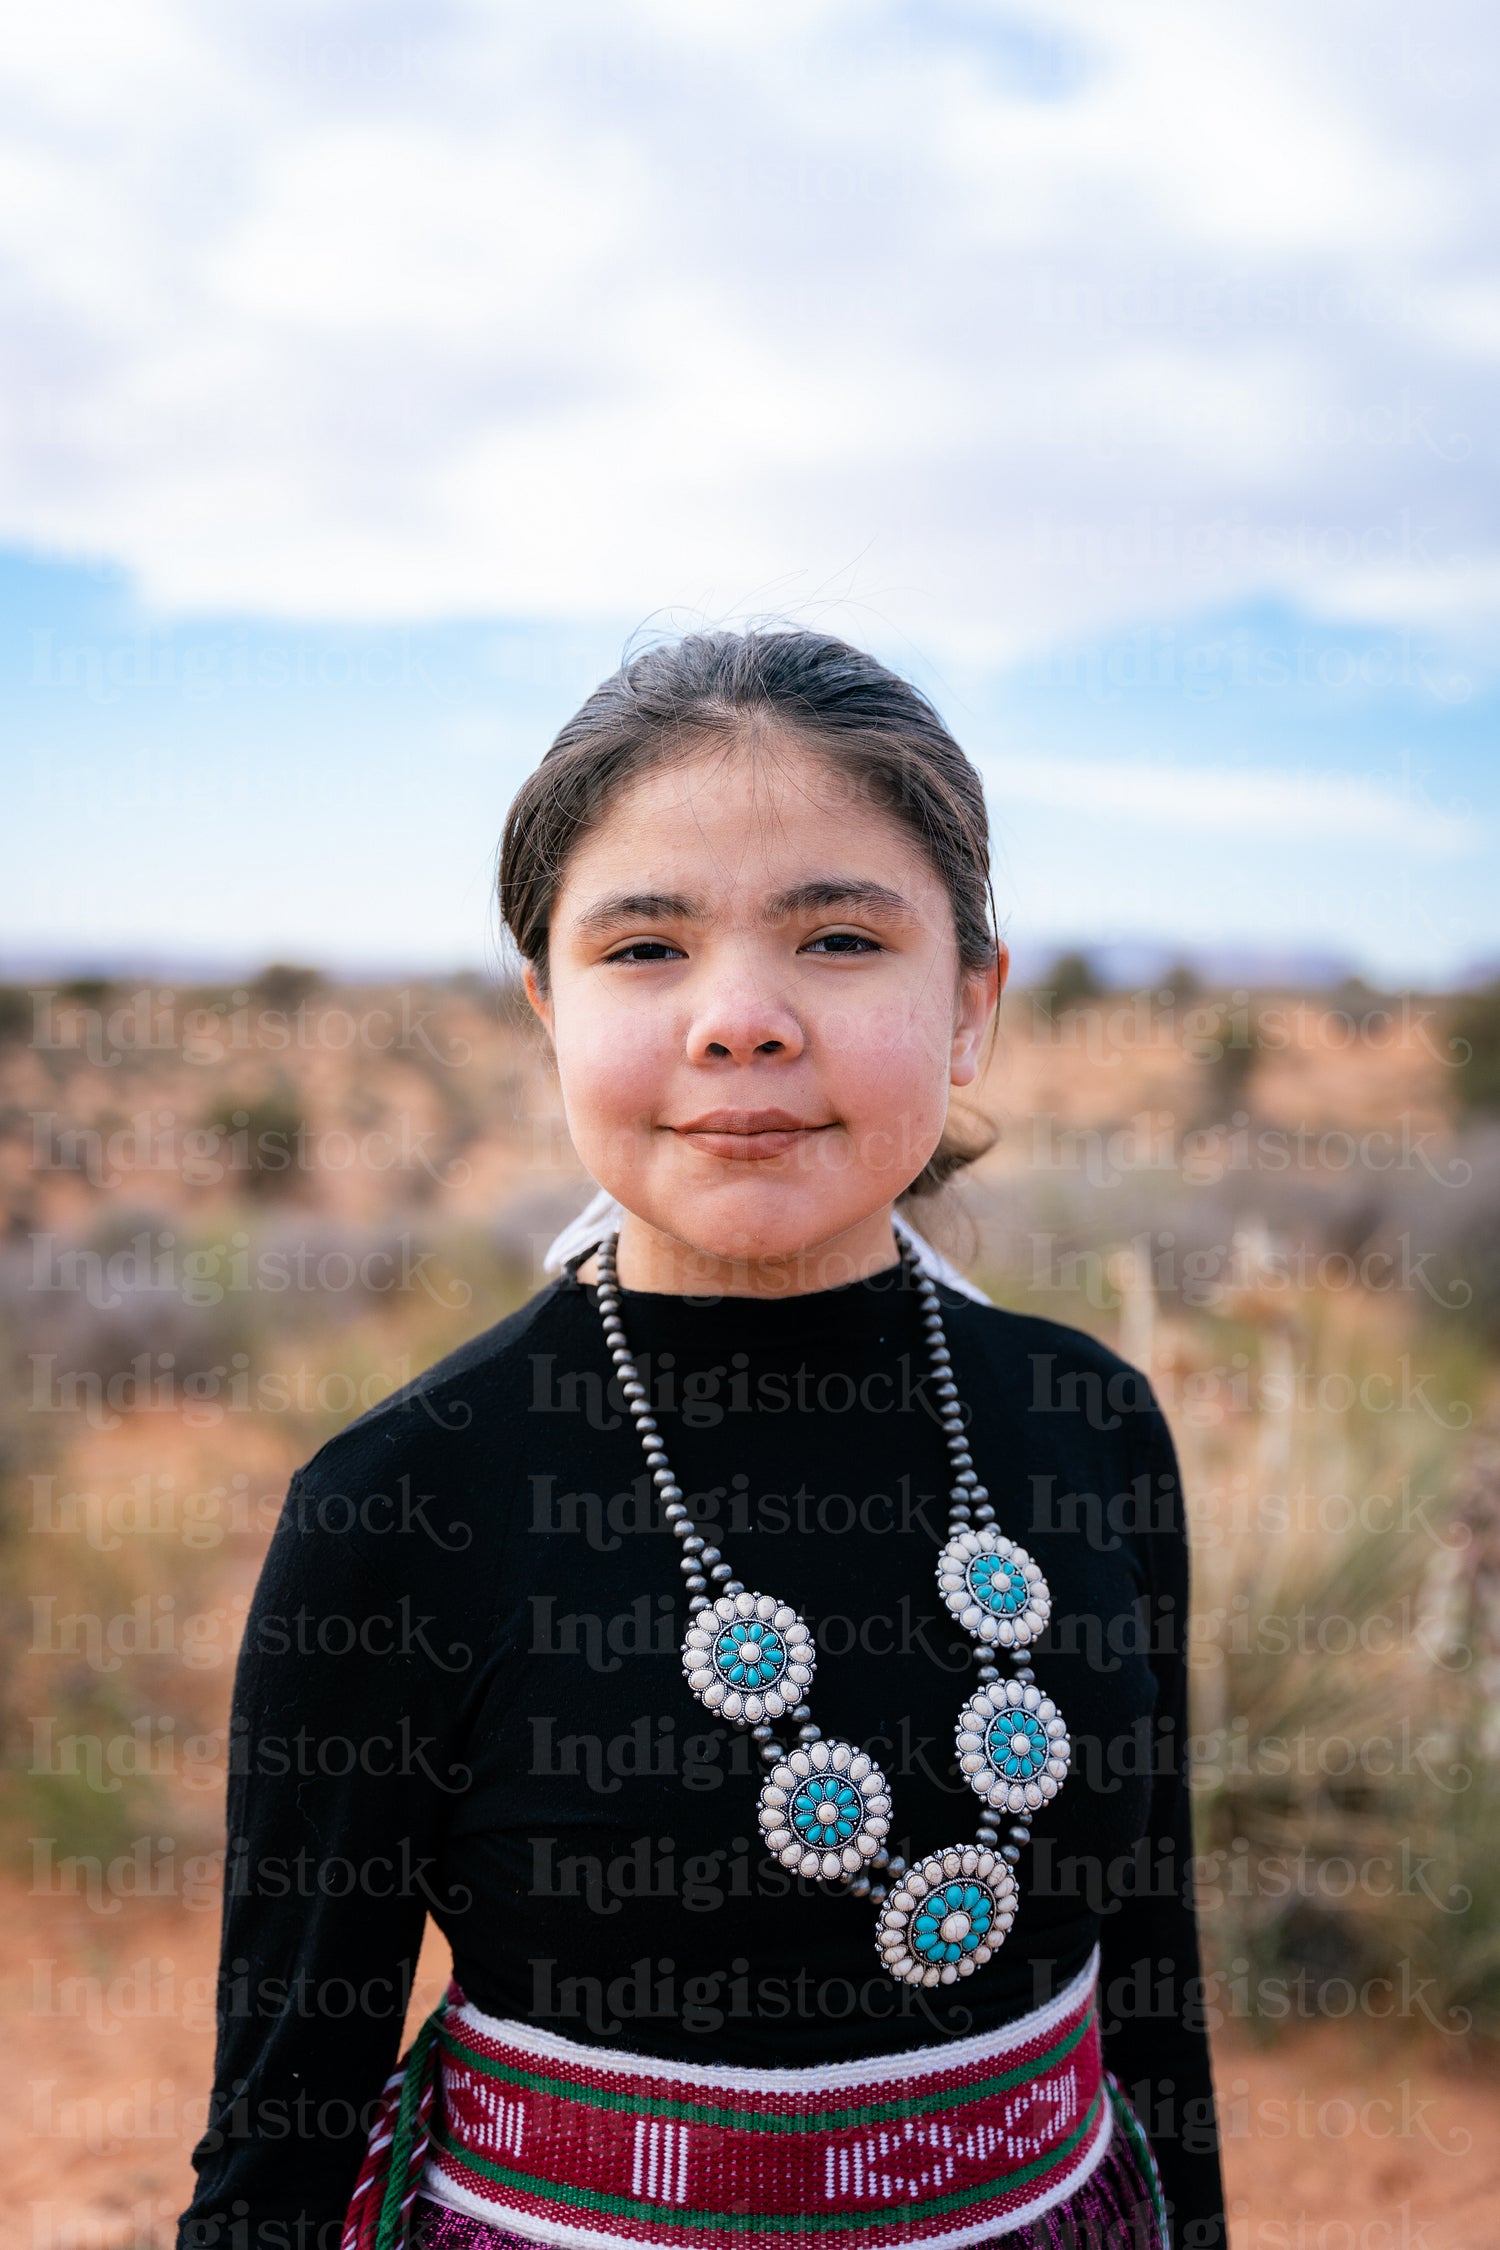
x: 640, y: 946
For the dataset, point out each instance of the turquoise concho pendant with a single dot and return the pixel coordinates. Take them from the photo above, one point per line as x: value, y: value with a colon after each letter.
x: 1013, y: 1748
x: 947, y: 1916
x: 994, y: 1588
x: 825, y: 1810
x: 748, y: 1657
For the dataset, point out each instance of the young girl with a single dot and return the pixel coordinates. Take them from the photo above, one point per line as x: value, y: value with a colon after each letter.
x: 763, y: 1656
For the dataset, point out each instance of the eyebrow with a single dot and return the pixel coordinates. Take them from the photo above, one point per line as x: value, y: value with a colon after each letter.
x: 819, y: 893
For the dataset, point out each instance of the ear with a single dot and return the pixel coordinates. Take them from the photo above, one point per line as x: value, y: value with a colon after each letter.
x: 978, y: 1000
x: 542, y: 1007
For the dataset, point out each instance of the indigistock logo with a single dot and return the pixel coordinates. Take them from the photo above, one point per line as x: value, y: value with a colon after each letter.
x: 603, y: 1523
x: 150, y: 1867
x: 149, y: 1745
x: 154, y: 1504
x: 706, y: 1397
x: 156, y: 1264
x: 204, y: 1396
x: 149, y: 1989
x: 1153, y: 1141
x: 1206, y: 1275
x: 701, y: 2002
x: 242, y: 1147
x: 651, y: 1626
x: 162, y: 1022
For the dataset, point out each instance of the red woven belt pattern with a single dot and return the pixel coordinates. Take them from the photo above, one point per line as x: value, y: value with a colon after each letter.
x: 615, y: 2155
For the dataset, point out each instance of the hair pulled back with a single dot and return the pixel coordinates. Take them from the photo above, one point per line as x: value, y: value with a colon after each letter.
x: 679, y: 697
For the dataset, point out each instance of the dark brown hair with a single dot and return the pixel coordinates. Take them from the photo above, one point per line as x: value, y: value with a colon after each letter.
x: 876, y: 729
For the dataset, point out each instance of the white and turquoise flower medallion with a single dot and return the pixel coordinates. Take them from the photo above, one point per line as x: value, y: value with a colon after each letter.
x: 994, y: 1588
x: 748, y: 1657
x: 825, y: 1810
x: 1012, y: 1746
x: 947, y: 1916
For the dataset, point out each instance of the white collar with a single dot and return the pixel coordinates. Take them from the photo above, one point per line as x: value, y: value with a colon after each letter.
x: 604, y: 1215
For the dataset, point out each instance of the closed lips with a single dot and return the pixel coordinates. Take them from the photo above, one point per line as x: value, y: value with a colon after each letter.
x: 747, y: 1136
x: 749, y: 1121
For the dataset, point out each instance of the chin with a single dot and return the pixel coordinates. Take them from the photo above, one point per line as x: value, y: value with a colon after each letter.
x: 714, y: 1228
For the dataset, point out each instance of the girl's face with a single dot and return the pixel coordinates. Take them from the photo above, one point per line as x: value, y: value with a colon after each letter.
x: 757, y: 1016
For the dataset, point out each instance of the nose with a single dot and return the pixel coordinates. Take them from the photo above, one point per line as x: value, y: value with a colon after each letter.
x: 739, y: 1020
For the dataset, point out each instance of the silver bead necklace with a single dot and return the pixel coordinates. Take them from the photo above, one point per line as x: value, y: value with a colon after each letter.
x: 825, y: 1806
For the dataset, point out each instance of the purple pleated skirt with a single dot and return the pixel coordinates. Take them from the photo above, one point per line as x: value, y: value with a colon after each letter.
x: 1118, y: 2207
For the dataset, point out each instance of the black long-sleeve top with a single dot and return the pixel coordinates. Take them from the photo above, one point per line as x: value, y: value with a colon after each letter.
x: 460, y: 1693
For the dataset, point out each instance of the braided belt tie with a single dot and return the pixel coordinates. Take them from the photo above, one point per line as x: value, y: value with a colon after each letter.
x: 588, y: 2146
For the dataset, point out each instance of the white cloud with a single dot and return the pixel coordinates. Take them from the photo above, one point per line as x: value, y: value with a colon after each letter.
x: 1310, y: 807
x: 1008, y: 324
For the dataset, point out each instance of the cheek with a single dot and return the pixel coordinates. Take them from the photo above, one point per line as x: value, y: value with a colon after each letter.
x: 611, y: 1060
x: 899, y: 1040
x: 888, y: 1078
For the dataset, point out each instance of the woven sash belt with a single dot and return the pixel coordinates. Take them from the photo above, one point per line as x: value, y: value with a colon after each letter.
x: 592, y: 2147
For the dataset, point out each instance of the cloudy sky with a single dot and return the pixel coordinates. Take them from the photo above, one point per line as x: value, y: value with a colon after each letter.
x: 372, y: 373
